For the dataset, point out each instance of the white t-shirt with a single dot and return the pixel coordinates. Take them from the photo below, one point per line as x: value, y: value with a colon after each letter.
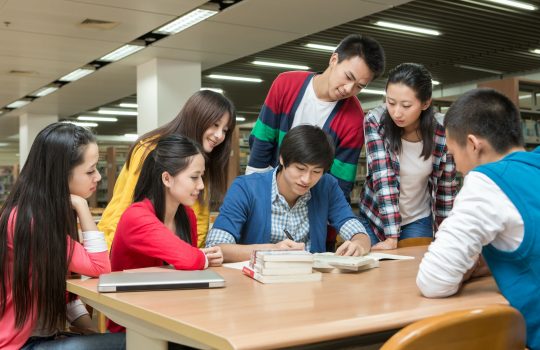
x: 482, y: 214
x: 414, y: 172
x: 311, y: 110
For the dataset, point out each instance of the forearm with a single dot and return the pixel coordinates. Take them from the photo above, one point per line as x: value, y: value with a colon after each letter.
x: 241, y: 252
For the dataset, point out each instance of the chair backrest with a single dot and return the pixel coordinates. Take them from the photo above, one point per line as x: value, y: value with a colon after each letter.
x: 415, y: 241
x: 495, y: 327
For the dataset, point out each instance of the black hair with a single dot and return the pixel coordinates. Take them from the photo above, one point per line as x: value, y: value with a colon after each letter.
x: 39, y: 216
x: 486, y: 113
x: 307, y: 144
x: 418, y: 78
x: 173, y: 154
x: 366, y: 48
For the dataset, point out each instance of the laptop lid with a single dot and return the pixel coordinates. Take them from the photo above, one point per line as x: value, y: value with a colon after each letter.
x: 141, y: 281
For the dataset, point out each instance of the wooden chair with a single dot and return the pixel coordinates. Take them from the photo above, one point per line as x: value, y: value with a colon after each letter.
x: 495, y: 327
x: 413, y: 242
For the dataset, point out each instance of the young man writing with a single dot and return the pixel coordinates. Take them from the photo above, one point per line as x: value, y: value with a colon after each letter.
x: 297, y: 199
x: 496, y: 213
x: 327, y: 100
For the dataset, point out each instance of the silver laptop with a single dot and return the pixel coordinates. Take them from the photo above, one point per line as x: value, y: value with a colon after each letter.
x: 141, y: 281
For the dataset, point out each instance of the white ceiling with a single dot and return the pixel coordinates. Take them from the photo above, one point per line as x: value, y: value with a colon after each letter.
x: 44, y: 38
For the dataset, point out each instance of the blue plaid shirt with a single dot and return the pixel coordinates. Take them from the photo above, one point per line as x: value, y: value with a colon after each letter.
x: 294, y: 220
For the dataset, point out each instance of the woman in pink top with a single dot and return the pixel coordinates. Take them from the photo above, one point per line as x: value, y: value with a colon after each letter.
x: 39, y: 242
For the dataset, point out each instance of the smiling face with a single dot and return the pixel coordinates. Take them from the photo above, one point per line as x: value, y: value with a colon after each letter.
x: 347, y: 77
x: 215, y: 134
x: 185, y: 187
x: 84, y: 177
x: 404, y: 107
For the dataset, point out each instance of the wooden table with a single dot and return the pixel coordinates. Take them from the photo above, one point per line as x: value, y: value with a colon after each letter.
x: 250, y: 315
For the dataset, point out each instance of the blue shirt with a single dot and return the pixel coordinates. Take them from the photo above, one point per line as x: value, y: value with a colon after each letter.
x: 245, y: 213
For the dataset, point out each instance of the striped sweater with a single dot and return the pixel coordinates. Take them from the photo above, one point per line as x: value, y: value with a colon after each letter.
x: 344, y: 125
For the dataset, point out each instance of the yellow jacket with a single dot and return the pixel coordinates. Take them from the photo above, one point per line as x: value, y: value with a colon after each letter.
x: 123, y: 197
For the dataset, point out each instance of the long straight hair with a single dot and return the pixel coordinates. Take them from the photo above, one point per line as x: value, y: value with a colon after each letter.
x: 201, y: 111
x: 173, y: 154
x: 40, y: 199
x: 418, y: 78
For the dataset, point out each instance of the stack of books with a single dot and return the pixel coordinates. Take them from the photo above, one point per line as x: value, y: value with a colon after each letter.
x: 281, y: 266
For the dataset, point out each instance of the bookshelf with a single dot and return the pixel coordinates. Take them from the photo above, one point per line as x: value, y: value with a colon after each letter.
x: 526, y: 95
x: 8, y: 175
x: 111, y: 161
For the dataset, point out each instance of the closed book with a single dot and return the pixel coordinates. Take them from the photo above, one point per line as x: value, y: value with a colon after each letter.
x: 284, y: 264
x: 287, y: 270
x: 311, y: 277
x: 280, y: 255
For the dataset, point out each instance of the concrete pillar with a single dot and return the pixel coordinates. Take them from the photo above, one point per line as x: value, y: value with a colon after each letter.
x: 163, y: 87
x: 29, y: 126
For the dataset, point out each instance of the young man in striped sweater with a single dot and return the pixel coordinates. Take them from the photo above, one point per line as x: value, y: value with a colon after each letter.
x: 327, y: 100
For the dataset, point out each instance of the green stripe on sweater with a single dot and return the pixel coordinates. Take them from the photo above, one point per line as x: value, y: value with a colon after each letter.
x: 263, y: 132
x: 344, y: 171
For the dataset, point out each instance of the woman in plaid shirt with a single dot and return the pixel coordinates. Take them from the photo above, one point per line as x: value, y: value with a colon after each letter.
x: 411, y: 175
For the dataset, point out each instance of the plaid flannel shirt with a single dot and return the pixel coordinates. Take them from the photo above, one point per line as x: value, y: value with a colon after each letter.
x: 380, y: 198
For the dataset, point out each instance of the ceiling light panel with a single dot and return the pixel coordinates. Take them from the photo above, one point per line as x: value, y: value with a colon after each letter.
x: 77, y: 74
x: 186, y: 21
x: 90, y: 118
x: 121, y: 52
x: 407, y: 28
x: 235, y: 78
x: 44, y: 91
x: 111, y: 111
x: 280, y: 65
x: 321, y: 47
x: 516, y: 4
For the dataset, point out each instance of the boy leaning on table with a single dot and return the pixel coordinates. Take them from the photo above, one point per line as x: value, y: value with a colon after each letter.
x: 496, y: 213
x: 295, y: 200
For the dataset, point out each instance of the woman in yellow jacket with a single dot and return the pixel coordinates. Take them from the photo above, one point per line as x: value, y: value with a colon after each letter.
x: 208, y: 118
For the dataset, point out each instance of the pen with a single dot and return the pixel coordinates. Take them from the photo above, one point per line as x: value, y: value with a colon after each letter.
x: 289, y: 236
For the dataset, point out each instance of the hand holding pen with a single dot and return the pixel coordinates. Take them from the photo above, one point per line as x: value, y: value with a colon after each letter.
x: 289, y: 243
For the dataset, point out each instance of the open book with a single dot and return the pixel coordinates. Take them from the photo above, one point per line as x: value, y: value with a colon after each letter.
x: 329, y: 262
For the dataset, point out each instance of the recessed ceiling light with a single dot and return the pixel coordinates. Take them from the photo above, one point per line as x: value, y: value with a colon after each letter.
x: 479, y: 69
x: 112, y: 111
x: 90, y: 118
x: 18, y: 104
x: 372, y: 92
x: 4, y: 144
x: 131, y: 136
x: 121, y: 52
x: 44, y: 91
x: 219, y: 91
x: 321, y: 47
x: 407, y: 28
x: 128, y: 105
x: 77, y: 74
x: 435, y: 82
x: 536, y: 51
x: 235, y: 78
x: 280, y: 65
x: 186, y: 21
x: 516, y: 4
x: 83, y: 124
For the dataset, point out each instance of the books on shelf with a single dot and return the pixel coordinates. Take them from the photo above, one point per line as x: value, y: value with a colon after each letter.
x: 281, y: 266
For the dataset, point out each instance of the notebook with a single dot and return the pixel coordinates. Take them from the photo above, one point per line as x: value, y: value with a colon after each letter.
x: 141, y: 281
